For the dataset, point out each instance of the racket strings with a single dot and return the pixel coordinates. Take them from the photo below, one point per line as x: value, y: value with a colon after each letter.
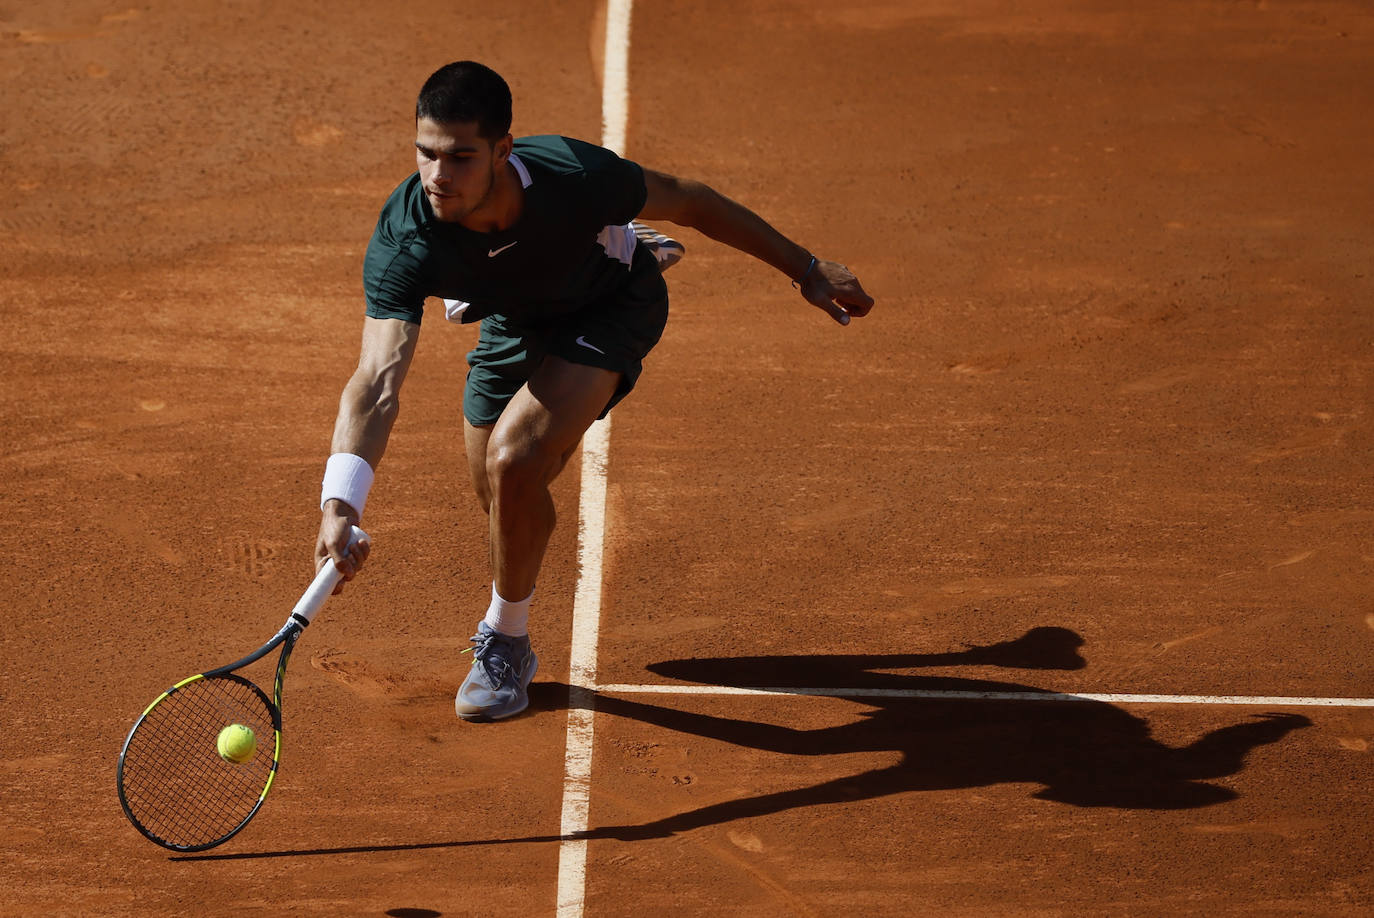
x: 174, y: 781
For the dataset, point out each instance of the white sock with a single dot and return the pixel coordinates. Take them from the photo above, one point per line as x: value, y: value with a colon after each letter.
x: 509, y: 618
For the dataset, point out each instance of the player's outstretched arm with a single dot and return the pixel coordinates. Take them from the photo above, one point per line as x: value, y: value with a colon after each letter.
x: 367, y: 411
x: 828, y: 285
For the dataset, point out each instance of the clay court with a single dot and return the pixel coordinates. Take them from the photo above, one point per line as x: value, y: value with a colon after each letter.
x: 1043, y: 590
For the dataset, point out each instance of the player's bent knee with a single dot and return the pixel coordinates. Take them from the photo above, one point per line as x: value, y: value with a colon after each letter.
x: 518, y: 466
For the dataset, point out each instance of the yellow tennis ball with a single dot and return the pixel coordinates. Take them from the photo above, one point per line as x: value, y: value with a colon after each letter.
x: 236, y: 743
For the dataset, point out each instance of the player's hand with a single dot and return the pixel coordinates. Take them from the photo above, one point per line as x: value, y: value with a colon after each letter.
x: 834, y: 289
x: 336, y: 528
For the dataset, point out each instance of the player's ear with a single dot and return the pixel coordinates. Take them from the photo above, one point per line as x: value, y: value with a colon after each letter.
x: 502, y: 148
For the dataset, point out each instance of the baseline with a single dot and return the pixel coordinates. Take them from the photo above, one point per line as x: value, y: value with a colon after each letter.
x: 1110, y: 698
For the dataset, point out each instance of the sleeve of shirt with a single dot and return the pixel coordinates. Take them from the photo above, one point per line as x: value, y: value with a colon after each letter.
x: 393, y: 276
x: 615, y: 184
x: 625, y: 192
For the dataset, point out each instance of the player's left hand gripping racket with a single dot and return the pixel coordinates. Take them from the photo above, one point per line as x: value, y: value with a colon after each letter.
x: 174, y: 785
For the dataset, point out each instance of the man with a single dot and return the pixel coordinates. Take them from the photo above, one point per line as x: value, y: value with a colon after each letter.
x: 534, y: 238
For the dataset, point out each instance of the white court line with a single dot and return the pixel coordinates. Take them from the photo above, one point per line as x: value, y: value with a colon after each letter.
x: 615, y: 76
x: 1260, y: 700
x: 591, y: 533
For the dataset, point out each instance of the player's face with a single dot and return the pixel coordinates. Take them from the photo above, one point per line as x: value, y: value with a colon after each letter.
x: 457, y: 166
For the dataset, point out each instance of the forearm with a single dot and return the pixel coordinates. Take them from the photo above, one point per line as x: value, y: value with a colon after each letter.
x: 361, y: 431
x: 730, y: 222
x: 372, y: 398
x: 367, y: 413
x: 828, y: 285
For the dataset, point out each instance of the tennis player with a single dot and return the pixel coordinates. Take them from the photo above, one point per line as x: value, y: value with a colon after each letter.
x: 536, y: 239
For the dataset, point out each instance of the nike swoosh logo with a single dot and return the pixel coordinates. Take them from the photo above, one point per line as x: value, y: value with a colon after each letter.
x: 582, y: 340
x: 492, y: 253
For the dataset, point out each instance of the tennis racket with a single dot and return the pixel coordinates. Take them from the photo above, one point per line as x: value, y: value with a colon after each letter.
x: 180, y: 784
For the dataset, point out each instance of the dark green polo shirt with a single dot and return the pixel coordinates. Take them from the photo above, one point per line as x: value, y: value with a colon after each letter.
x: 565, y: 251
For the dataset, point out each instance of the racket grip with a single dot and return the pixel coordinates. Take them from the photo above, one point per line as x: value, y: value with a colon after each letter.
x: 325, y: 581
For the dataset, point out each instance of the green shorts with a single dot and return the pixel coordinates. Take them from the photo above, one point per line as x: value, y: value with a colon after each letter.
x: 614, y: 334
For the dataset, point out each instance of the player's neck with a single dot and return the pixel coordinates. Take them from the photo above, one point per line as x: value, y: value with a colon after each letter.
x: 503, y: 205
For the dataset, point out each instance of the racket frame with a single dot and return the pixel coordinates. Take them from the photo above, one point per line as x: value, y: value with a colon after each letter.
x: 301, y: 615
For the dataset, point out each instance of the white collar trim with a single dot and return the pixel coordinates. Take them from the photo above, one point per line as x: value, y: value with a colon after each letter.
x: 525, y: 180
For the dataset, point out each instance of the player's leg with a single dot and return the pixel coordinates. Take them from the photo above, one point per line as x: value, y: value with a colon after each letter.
x: 528, y: 447
x: 593, y: 359
x: 531, y: 394
x: 506, y: 356
x: 474, y: 444
x: 475, y: 440
x: 512, y: 463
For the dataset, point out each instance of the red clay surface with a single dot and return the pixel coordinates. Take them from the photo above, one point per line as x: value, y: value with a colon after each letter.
x: 1117, y: 384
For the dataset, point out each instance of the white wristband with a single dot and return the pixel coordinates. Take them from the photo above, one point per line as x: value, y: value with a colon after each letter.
x: 347, y: 478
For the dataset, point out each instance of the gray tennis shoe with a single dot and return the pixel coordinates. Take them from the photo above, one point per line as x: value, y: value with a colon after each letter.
x: 667, y: 250
x: 498, y: 685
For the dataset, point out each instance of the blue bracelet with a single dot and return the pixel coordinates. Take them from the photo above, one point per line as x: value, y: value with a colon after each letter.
x: 809, y: 268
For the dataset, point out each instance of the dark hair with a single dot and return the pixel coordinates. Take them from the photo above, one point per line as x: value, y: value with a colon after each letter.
x: 466, y: 91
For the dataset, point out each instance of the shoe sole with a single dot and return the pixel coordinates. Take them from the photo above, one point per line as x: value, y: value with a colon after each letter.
x: 674, y: 251
x: 488, y: 718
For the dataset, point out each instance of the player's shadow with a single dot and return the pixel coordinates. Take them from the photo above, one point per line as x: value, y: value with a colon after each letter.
x: 1081, y: 753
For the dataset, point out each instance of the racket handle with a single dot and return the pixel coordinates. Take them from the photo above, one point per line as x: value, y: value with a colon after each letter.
x: 325, y: 581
